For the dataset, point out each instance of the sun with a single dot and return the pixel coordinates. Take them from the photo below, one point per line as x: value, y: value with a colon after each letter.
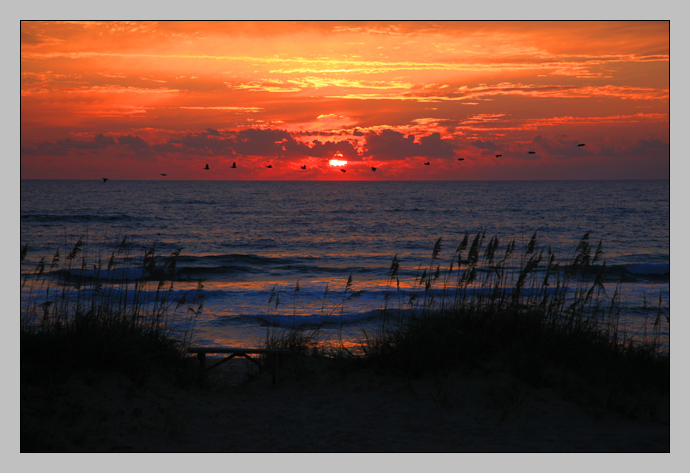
x: 336, y: 161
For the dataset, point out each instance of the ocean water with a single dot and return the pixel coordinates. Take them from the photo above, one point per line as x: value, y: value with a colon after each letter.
x: 277, y: 254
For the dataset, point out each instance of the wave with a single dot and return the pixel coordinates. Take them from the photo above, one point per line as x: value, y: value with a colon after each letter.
x: 227, y: 265
x: 312, y: 321
x: 649, y: 268
x: 243, y: 259
x: 104, y: 276
x: 636, y: 272
x: 256, y: 242
x: 222, y: 266
x: 75, y: 218
x: 189, y: 202
x: 627, y: 272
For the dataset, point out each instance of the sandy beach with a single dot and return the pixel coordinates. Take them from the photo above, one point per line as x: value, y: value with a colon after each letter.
x: 327, y: 412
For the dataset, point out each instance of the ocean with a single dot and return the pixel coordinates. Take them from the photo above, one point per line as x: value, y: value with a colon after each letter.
x: 273, y: 255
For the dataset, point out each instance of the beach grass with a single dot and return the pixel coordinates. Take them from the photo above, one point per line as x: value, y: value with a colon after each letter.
x: 90, y: 313
x: 548, y: 321
x: 512, y: 308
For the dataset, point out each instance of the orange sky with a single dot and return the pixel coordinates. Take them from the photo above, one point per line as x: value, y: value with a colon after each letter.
x: 134, y: 100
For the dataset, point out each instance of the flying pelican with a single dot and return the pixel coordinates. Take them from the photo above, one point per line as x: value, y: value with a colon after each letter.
x: 269, y: 166
x: 499, y: 155
x: 581, y: 144
x: 373, y: 168
x: 105, y: 179
x: 303, y: 167
x: 163, y: 174
x: 234, y: 165
x: 343, y: 170
x: 531, y: 152
x: 461, y: 159
x: 207, y: 168
x: 427, y: 163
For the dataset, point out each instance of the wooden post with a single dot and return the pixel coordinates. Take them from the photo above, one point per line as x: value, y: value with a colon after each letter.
x: 276, y: 368
x: 235, y: 351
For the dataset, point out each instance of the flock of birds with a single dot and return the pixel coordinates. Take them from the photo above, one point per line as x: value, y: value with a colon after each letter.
x: 426, y: 163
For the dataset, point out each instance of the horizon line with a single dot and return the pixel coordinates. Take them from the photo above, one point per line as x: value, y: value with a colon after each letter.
x: 351, y: 180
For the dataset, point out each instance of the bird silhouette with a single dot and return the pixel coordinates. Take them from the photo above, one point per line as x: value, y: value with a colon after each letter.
x: 427, y: 163
x: 207, y: 168
x: 531, y: 152
x: 105, y: 179
x: 373, y: 168
x: 269, y: 166
x: 303, y: 167
x: 234, y: 165
x: 163, y: 174
x: 461, y: 159
x: 581, y: 144
x: 499, y: 155
x: 343, y: 170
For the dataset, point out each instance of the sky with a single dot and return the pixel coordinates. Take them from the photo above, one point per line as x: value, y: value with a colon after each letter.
x: 416, y: 100
x: 604, y: 84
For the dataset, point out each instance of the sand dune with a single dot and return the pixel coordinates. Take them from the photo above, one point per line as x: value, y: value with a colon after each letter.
x: 328, y: 412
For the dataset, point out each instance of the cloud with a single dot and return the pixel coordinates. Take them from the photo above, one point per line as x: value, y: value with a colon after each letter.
x: 384, y: 144
x: 433, y: 146
x: 330, y: 148
x: 257, y: 145
x: 388, y: 144
x: 560, y: 146
x: 650, y: 149
x: 205, y: 143
x: 265, y: 86
x: 132, y: 142
x: 104, y: 140
x: 261, y: 142
x: 487, y: 145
